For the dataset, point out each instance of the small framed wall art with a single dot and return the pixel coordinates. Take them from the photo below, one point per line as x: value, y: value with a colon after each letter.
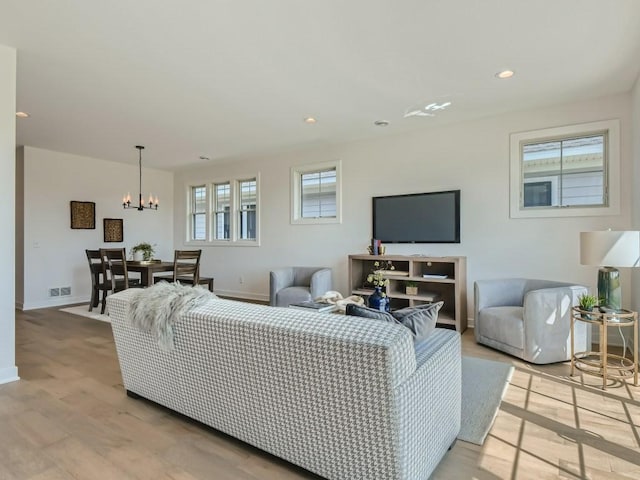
x: 83, y: 215
x: 113, y: 230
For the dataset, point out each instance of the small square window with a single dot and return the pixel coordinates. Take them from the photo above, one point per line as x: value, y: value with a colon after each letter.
x: 566, y: 171
x: 316, y: 194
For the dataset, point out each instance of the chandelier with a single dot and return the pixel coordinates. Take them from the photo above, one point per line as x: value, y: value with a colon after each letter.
x: 126, y: 200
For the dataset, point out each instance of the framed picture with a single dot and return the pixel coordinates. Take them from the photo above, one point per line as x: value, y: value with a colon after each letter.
x: 83, y: 215
x: 113, y: 229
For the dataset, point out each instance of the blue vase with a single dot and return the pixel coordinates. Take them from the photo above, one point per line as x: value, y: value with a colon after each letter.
x: 377, y: 301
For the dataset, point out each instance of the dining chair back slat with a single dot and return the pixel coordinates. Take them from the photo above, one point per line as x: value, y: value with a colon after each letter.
x: 115, y: 261
x: 186, y: 266
x: 186, y: 269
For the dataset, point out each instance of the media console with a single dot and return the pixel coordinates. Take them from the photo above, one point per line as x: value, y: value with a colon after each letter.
x: 436, y: 278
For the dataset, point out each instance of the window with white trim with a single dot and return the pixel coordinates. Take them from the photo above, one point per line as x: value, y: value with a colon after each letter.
x: 316, y: 193
x: 566, y: 171
x: 247, y: 209
x: 221, y: 211
x: 224, y: 212
x: 198, y: 222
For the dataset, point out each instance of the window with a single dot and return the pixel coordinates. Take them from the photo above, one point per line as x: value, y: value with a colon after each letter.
x: 211, y: 212
x: 316, y: 193
x: 566, y: 171
x: 247, y: 209
x: 198, y: 213
x: 221, y: 211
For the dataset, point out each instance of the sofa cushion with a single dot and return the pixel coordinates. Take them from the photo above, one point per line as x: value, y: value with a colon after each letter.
x: 421, y: 320
x: 503, y: 324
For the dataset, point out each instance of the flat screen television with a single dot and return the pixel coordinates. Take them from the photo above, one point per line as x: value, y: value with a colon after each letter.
x: 432, y: 217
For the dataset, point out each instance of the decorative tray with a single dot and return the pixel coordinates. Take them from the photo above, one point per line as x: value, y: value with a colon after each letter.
x: 143, y: 262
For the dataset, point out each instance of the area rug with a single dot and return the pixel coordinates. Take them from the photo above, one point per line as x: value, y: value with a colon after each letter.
x: 484, y: 383
x: 83, y: 311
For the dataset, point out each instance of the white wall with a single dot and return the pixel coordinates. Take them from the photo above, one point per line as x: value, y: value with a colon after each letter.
x: 473, y: 157
x: 8, y: 369
x: 54, y: 254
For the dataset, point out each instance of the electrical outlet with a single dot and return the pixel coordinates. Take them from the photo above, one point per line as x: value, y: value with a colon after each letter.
x: 54, y: 292
x: 65, y: 291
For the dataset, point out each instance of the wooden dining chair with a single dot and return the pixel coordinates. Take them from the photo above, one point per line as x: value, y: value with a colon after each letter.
x: 116, y: 275
x: 98, y: 283
x: 186, y: 269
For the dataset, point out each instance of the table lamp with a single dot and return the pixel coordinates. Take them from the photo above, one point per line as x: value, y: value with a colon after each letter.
x: 610, y: 249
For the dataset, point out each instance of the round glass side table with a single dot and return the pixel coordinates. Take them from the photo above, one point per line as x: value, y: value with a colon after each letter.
x: 602, y: 363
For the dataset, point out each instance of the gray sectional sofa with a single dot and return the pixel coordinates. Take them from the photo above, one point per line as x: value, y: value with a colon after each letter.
x: 343, y: 397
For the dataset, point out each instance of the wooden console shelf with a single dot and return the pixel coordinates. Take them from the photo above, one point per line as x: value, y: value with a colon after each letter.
x: 446, y: 281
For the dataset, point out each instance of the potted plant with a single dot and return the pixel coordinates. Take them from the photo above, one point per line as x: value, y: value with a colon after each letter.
x: 378, y: 299
x: 411, y: 288
x: 143, y: 251
x: 587, y: 303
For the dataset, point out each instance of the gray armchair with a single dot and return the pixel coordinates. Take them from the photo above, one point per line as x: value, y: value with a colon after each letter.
x: 297, y: 284
x: 529, y: 319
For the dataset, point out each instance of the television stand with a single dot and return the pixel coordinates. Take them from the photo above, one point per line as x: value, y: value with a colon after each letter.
x: 432, y: 278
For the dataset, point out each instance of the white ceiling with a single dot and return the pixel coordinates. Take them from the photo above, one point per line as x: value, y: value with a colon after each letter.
x: 231, y: 78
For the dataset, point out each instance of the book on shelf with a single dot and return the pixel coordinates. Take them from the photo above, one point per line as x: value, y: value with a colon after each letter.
x: 430, y: 296
x: 314, y: 306
x: 434, y: 275
x: 390, y: 273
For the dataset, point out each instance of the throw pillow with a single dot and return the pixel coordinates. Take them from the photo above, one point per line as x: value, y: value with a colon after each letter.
x: 366, y: 312
x: 421, y: 320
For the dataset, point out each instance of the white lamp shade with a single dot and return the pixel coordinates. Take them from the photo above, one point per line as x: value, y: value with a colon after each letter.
x: 610, y: 248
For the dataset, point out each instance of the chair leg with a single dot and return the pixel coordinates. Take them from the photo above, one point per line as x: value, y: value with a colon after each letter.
x: 104, y: 301
x: 94, y: 300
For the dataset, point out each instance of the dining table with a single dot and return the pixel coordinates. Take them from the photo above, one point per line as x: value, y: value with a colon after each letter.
x: 148, y: 268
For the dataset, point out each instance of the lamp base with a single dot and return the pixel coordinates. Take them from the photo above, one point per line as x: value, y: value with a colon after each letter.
x: 609, y: 291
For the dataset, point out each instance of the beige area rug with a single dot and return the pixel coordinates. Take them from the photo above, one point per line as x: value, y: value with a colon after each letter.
x: 484, y: 383
x: 83, y: 311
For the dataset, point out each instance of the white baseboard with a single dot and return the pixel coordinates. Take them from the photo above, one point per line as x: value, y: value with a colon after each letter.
x: 9, y: 374
x: 54, y: 302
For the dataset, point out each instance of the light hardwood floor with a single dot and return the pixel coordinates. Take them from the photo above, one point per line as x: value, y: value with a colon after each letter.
x: 69, y: 418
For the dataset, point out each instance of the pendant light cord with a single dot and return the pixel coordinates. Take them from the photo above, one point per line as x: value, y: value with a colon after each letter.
x: 140, y: 174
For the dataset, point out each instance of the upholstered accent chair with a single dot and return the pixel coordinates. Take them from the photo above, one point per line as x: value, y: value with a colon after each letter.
x: 529, y: 319
x: 297, y: 284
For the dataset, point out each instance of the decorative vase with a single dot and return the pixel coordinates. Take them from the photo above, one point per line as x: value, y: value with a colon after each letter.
x: 138, y: 256
x: 377, y: 301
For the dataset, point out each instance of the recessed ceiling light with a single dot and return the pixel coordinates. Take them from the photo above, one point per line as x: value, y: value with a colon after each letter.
x: 505, y: 74
x: 381, y: 123
x: 22, y: 115
x: 310, y: 120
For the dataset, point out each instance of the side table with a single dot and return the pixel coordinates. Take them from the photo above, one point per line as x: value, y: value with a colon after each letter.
x: 604, y: 364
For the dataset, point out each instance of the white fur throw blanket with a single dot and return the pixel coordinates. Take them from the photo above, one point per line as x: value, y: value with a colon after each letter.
x: 157, y: 308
